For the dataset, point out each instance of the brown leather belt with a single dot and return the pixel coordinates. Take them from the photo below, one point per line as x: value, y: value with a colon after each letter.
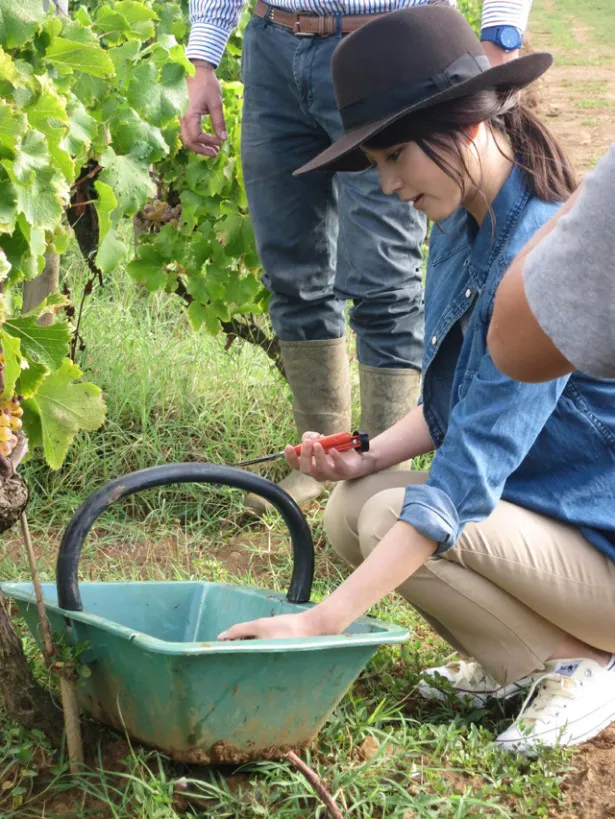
x: 312, y: 25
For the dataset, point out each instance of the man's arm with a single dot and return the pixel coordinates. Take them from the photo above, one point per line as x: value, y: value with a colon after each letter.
x: 212, y: 22
x: 555, y: 307
x: 497, y: 13
x: 517, y: 343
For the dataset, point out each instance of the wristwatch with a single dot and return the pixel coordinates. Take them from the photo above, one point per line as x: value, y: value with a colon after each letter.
x: 508, y: 38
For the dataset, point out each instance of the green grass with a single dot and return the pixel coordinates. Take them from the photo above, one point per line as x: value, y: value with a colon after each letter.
x: 174, y: 395
x: 597, y: 15
x: 561, y: 19
x: 589, y: 104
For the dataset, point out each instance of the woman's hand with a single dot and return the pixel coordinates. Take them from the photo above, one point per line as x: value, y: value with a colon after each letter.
x: 328, y: 466
x: 304, y: 624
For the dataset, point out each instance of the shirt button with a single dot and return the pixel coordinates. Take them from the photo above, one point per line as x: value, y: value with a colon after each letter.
x: 434, y: 340
x: 468, y: 293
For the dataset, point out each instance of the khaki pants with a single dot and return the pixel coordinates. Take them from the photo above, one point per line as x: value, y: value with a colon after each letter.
x: 509, y: 592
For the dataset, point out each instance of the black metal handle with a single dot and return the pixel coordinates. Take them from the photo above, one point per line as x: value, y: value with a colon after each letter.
x: 67, y: 565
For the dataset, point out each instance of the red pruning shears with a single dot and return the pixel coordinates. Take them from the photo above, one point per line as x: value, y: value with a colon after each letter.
x: 341, y: 441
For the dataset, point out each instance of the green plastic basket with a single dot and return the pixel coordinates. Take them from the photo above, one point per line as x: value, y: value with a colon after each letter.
x: 157, y: 671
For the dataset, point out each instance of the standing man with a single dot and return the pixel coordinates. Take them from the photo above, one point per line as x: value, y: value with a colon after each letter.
x: 323, y: 238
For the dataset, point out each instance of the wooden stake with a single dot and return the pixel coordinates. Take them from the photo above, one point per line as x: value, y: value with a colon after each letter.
x: 68, y: 691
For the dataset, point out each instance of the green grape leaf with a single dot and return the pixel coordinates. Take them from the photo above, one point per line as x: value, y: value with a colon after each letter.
x: 12, y: 362
x: 177, y: 54
x: 8, y: 72
x: 191, y: 206
x: 130, y: 179
x: 243, y: 290
x: 111, y: 252
x: 131, y: 133
x: 148, y: 270
x: 199, y: 314
x: 19, y: 19
x: 123, y: 56
x: 158, y: 100
x: 105, y: 205
x: 47, y: 113
x: 82, y: 16
x: 48, y: 305
x: 63, y: 161
x: 47, y: 344
x: 171, y: 21
x: 35, y: 237
x: 39, y: 199
x: 65, y: 408
x: 139, y: 17
x: 69, y: 56
x: 169, y: 243
x: 5, y: 266
x: 32, y: 157
x: 90, y: 90
x: 31, y: 425
x: 197, y: 287
x: 78, y: 32
x: 30, y: 379
x: 112, y: 24
x: 83, y: 128
x: 11, y: 128
x: 8, y: 203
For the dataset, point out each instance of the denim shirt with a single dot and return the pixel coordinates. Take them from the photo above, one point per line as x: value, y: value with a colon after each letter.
x: 547, y: 447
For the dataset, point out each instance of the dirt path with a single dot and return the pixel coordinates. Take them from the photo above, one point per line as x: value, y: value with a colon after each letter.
x: 577, y: 95
x: 577, y: 99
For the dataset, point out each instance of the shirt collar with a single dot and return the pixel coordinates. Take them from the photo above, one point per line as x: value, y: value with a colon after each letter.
x: 487, y: 242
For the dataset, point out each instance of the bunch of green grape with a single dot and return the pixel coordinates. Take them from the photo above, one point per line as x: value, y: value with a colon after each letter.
x: 10, y: 420
x: 156, y: 214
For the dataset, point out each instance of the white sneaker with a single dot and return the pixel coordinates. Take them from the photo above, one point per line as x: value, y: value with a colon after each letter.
x: 469, y: 683
x: 575, y: 700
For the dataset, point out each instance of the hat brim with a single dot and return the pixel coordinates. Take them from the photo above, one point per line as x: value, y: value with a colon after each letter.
x: 345, y: 153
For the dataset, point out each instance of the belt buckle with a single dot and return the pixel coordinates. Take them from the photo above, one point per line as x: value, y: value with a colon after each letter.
x: 298, y: 33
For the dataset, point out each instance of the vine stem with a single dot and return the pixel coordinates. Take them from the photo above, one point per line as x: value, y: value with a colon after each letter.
x: 86, y: 292
x: 94, y: 172
x: 70, y: 705
x: 316, y: 782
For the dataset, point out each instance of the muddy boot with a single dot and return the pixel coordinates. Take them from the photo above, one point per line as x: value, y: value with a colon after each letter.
x: 319, y: 379
x: 387, y: 394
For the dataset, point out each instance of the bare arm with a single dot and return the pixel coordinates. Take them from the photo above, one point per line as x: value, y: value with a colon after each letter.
x: 399, y: 554
x: 404, y: 440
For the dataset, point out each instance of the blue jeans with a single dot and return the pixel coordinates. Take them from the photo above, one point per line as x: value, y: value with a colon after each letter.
x: 324, y: 238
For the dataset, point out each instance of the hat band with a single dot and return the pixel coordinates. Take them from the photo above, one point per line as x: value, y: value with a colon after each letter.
x: 395, y: 100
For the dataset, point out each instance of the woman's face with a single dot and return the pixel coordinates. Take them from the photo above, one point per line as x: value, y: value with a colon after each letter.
x: 407, y: 171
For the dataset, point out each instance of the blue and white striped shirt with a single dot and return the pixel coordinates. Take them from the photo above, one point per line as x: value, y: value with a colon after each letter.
x: 214, y: 20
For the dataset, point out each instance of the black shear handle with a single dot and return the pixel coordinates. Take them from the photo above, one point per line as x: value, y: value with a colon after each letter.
x: 67, y: 566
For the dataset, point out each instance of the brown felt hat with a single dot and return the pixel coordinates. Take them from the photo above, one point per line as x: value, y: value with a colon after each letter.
x: 406, y: 61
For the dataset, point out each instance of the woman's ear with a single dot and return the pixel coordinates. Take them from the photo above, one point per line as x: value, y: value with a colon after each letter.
x: 472, y: 131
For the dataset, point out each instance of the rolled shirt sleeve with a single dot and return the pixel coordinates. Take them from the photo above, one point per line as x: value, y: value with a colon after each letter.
x: 211, y: 24
x: 506, y: 13
x: 490, y: 432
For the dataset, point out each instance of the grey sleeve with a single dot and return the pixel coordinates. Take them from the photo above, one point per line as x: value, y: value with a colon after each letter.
x: 570, y: 276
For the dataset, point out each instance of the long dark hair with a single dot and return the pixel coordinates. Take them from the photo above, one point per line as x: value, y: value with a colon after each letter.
x: 441, y: 130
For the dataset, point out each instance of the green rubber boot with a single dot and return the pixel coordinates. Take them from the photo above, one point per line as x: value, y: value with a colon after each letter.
x: 387, y: 394
x: 319, y: 379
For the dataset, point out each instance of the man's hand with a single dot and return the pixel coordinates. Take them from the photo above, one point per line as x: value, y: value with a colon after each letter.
x: 496, y: 55
x: 304, y: 624
x: 205, y: 98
